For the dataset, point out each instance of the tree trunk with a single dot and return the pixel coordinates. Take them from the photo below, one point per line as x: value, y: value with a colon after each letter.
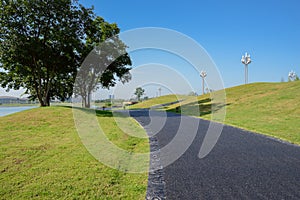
x: 44, y: 100
x: 43, y: 103
x: 48, y: 100
x: 41, y: 100
x: 88, y: 103
x: 84, y: 101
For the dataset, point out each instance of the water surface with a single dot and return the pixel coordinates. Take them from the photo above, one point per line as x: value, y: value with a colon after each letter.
x: 10, y: 110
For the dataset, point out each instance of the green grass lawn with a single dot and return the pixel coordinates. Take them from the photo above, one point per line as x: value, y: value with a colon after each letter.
x: 43, y: 157
x: 269, y: 108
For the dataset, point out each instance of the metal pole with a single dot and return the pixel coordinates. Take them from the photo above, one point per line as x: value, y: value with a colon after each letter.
x: 245, y: 74
x: 203, y: 85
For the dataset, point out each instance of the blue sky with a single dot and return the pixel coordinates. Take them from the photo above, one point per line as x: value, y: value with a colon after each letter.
x: 267, y: 29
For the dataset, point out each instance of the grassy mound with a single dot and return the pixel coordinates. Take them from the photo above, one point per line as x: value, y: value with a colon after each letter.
x: 269, y: 108
x: 43, y: 157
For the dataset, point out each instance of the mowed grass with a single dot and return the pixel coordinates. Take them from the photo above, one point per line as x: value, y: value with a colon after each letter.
x: 269, y: 108
x: 42, y: 157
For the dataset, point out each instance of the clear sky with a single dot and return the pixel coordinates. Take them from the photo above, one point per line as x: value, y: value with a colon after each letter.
x: 267, y: 29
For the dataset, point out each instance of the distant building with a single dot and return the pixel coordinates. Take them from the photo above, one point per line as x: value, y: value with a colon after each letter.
x: 13, y: 100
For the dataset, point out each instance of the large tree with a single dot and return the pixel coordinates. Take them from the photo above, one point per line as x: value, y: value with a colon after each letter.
x: 43, y: 44
x: 106, y: 62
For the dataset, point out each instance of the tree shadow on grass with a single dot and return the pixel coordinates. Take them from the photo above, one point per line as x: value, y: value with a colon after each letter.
x: 98, y: 113
x: 199, y: 108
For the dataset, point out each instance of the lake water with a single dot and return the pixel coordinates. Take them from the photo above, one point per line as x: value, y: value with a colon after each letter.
x: 10, y: 110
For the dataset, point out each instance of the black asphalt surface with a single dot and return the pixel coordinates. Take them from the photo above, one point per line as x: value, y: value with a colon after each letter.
x: 242, y: 165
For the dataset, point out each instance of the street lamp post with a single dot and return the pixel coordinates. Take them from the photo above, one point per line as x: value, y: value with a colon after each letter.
x: 159, y: 89
x: 203, y: 74
x: 246, y: 60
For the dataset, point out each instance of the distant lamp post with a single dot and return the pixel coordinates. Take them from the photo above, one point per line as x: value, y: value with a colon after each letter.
x: 292, y: 75
x: 159, y: 89
x: 203, y: 74
x: 111, y: 97
x: 246, y: 60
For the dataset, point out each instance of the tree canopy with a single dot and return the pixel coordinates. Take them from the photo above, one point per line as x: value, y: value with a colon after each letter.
x: 107, y: 60
x: 44, y: 43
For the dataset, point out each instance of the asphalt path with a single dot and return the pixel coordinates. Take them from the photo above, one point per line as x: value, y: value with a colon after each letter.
x: 242, y: 165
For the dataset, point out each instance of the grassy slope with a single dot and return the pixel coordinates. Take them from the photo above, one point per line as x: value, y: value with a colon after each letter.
x: 43, y: 157
x: 269, y: 108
